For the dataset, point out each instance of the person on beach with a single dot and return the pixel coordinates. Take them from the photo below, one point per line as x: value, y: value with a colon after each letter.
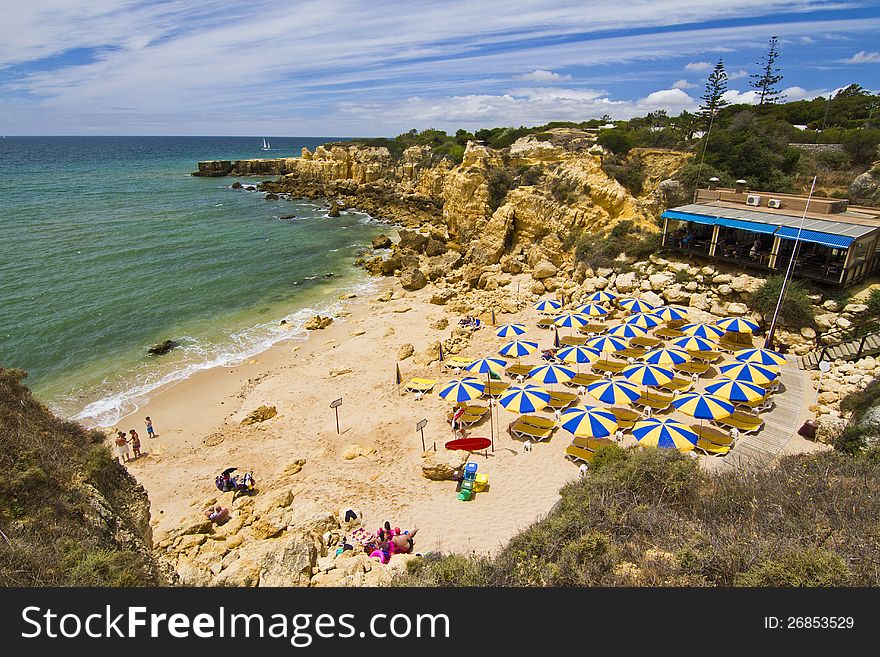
x: 135, y: 443
x: 122, y: 447
x: 457, y: 414
x: 218, y: 514
x: 151, y: 433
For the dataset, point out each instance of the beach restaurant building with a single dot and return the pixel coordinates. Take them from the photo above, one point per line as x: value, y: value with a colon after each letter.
x: 757, y: 230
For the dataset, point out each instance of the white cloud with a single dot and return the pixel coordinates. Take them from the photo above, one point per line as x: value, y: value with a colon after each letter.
x: 697, y: 66
x: 541, y: 76
x: 751, y: 97
x: 735, y: 97
x: 683, y: 84
x: 736, y: 75
x: 862, y: 57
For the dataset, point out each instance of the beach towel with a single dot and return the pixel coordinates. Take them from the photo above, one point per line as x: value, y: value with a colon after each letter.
x: 362, y: 536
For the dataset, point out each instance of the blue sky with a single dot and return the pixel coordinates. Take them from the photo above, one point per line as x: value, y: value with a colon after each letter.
x: 355, y: 68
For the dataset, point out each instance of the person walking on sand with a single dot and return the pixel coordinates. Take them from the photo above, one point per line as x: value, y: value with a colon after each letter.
x: 122, y: 447
x: 151, y: 432
x: 135, y: 443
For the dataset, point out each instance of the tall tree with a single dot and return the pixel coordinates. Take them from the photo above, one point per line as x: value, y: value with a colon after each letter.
x: 765, y: 82
x: 713, y: 97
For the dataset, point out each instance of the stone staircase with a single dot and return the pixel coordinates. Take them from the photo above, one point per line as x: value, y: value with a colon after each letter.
x: 850, y: 344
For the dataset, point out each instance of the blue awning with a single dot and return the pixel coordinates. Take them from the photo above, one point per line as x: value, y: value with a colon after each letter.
x: 686, y: 216
x: 747, y: 225
x: 825, y: 239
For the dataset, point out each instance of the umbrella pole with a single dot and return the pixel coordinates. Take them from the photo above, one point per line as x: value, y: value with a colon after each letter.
x: 491, y: 420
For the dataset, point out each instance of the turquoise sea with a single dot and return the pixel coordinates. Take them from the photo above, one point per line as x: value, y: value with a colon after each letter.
x: 108, y: 246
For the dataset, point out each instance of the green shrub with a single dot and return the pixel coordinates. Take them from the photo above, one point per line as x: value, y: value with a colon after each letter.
x: 861, y: 401
x: 861, y: 145
x: 500, y: 182
x: 796, y: 309
x: 615, y: 140
x: 808, y: 567
x: 629, y: 172
x: 850, y: 441
x: 873, y: 303
x: 563, y: 191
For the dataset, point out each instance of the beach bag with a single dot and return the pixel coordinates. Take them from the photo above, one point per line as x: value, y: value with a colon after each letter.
x: 220, y: 484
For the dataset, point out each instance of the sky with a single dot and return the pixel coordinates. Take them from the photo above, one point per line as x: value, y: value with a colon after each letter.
x: 348, y: 68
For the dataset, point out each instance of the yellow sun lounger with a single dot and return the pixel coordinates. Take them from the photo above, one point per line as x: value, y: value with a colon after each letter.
x: 744, y: 422
x: 591, y: 443
x: 457, y: 362
x: 575, y: 453
x: 708, y: 433
x: 522, y: 430
x: 519, y: 369
x: 560, y: 400
x: 583, y: 379
x: 711, y: 448
x: 626, y: 417
x: 421, y: 385
x: 678, y: 385
x: 538, y: 421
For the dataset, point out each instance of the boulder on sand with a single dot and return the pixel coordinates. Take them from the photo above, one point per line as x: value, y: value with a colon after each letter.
x: 413, y: 279
x: 444, y: 464
x: 260, y: 414
x: 318, y: 322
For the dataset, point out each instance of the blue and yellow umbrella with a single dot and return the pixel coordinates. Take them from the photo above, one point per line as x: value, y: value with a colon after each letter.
x: 736, y: 391
x: 547, y: 306
x: 635, y: 305
x: 463, y: 390
x: 518, y: 348
x: 760, y: 357
x: 527, y: 398
x: 644, y: 320
x: 601, y: 296
x: 578, y: 354
x: 666, y: 434
x: 591, y: 310
x: 486, y: 365
x: 670, y: 313
x: 751, y: 372
x: 571, y: 320
x: 694, y: 343
x: 607, y: 343
x: 627, y: 331
x: 614, y: 391
x: 588, y: 421
x: 666, y: 357
x: 551, y: 374
x: 703, y: 330
x: 510, y: 330
x: 703, y: 406
x: 648, y: 375
x: 737, y: 324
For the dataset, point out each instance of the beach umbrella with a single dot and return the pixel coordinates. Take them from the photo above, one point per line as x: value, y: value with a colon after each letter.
x: 703, y: 330
x: 463, y: 390
x: 607, y: 343
x: 588, y: 421
x: 578, y: 354
x: 551, y: 374
x: 737, y: 325
x: 510, y: 330
x: 526, y: 398
x: 591, y: 310
x: 518, y: 348
x: 488, y: 366
x: 635, y: 305
x: 760, y: 357
x: 736, y: 391
x: 571, y: 320
x: 751, y: 372
x: 694, y: 343
x: 670, y: 313
x: 703, y: 406
x: 665, y: 433
x: 627, y: 331
x: 644, y: 320
x: 648, y: 375
x: 547, y: 306
x: 666, y: 357
x: 614, y: 391
x: 601, y: 296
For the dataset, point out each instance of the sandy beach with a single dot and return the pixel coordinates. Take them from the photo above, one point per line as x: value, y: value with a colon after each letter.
x: 199, y: 431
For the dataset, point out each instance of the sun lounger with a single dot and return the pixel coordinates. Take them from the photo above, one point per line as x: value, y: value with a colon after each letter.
x: 457, y: 362
x: 706, y: 356
x: 678, y: 385
x: 420, y: 385
x: 667, y: 332
x: 495, y: 388
x: 654, y: 401
x: 546, y: 323
x: 575, y: 453
x: 632, y: 352
x: 472, y: 415
x: 744, y: 422
x: 523, y: 430
x: 519, y: 370
x: 610, y: 365
x: 626, y: 417
x: 711, y: 449
x: 592, y: 329
x: 538, y: 421
x: 573, y: 341
x: 560, y: 400
x: 583, y: 379
x: 732, y: 346
x: 691, y: 368
x: 591, y: 443
x: 759, y: 405
x: 645, y: 341
x: 711, y: 434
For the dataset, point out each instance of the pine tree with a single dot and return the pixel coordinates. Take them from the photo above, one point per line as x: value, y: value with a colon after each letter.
x: 765, y: 81
x: 713, y: 97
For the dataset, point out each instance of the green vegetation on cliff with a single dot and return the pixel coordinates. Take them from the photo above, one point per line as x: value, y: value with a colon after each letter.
x: 70, y: 515
x: 653, y: 518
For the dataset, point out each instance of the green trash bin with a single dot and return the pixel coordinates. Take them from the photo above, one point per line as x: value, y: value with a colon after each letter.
x: 465, y: 495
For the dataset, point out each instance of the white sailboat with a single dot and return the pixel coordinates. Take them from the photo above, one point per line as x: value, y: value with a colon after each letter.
x: 266, y: 145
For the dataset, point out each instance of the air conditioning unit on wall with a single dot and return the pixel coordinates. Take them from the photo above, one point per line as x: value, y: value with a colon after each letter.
x: 774, y: 203
x: 753, y: 199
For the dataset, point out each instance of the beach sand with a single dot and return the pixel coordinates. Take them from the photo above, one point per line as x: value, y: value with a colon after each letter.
x: 199, y: 432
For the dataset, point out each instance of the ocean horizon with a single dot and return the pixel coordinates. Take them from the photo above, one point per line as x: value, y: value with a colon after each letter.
x: 110, y: 246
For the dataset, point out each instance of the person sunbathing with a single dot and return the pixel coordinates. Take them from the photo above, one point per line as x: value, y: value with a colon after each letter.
x: 218, y: 514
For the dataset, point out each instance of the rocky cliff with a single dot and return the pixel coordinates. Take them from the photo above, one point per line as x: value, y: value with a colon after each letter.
x: 70, y: 515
